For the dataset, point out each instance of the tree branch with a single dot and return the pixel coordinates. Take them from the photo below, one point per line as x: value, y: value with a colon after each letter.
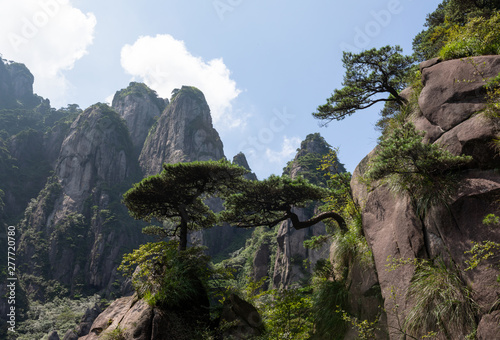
x: 297, y: 224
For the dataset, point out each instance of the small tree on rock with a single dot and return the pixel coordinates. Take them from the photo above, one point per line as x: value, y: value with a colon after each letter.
x: 271, y: 201
x: 368, y: 74
x: 176, y: 196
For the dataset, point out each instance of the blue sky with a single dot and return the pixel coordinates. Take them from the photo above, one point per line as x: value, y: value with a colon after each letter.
x: 264, y: 66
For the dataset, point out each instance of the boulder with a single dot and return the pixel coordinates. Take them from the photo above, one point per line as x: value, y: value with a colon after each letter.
x: 449, y: 104
x: 134, y: 319
x: 473, y: 138
x: 489, y: 326
x: 453, y: 90
x: 53, y: 336
x: 244, y: 320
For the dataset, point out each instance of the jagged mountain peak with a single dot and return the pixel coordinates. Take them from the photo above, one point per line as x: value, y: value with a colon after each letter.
x: 16, y: 86
x: 241, y: 160
x: 183, y: 133
x: 139, y: 106
x: 308, y: 159
x: 96, y: 149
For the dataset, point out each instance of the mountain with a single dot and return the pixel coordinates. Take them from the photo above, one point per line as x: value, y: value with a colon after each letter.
x: 183, y: 133
x: 75, y: 232
x: 290, y: 268
x: 140, y: 107
x: 64, y: 172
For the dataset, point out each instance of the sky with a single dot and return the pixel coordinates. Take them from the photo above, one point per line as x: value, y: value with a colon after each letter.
x: 264, y: 66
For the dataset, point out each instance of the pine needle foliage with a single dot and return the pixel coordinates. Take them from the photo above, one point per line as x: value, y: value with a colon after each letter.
x: 427, y: 173
x: 165, y: 276
x: 368, y: 74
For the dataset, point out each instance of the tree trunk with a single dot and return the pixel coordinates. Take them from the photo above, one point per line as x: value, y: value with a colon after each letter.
x: 183, y: 237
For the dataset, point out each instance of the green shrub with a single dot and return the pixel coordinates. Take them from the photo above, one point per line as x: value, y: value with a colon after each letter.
x: 115, y: 334
x: 442, y: 303
x: 166, y: 276
x: 288, y: 314
x: 480, y: 36
x: 59, y: 315
x: 329, y: 297
x: 427, y: 173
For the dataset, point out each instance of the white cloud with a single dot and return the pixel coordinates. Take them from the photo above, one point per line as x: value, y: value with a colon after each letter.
x: 49, y: 36
x: 288, y: 150
x: 164, y: 63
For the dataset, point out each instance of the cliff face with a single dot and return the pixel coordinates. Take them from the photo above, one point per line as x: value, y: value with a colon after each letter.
x: 289, y: 266
x: 139, y: 106
x: 183, y: 133
x: 75, y: 232
x: 449, y: 103
x: 16, y: 86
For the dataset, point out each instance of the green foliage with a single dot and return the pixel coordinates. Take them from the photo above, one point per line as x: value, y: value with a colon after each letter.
x: 481, y: 251
x: 116, y: 334
x: 450, y: 15
x: 287, y: 314
x: 269, y: 202
x: 241, y: 261
x: 177, y: 194
x: 484, y: 250
x: 480, y: 36
x: 393, y: 115
x: 427, y: 173
x: 60, y: 314
x: 309, y: 161
x: 442, y: 303
x: 140, y: 90
x: 165, y: 276
x: 365, y: 329
x: 493, y: 103
x: 328, y: 298
x: 491, y: 220
x: 349, y: 246
x: 191, y: 91
x: 368, y: 73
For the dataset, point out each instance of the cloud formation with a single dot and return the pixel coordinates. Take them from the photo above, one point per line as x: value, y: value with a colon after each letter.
x: 288, y: 150
x: 49, y: 36
x: 164, y: 63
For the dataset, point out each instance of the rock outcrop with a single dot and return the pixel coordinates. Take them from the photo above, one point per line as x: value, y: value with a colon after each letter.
x: 449, y: 114
x: 16, y: 86
x: 241, y: 160
x: 70, y: 234
x: 289, y: 267
x: 132, y: 318
x: 139, y: 106
x: 183, y: 133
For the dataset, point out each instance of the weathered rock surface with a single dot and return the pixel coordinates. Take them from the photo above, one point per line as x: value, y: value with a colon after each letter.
x: 390, y: 223
x: 289, y: 267
x: 183, y: 133
x: 71, y: 233
x: 454, y: 90
x: 139, y: 106
x: 489, y: 326
x: 241, y: 160
x: 245, y: 320
x: 16, y: 85
x: 133, y: 318
x: 53, y: 336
